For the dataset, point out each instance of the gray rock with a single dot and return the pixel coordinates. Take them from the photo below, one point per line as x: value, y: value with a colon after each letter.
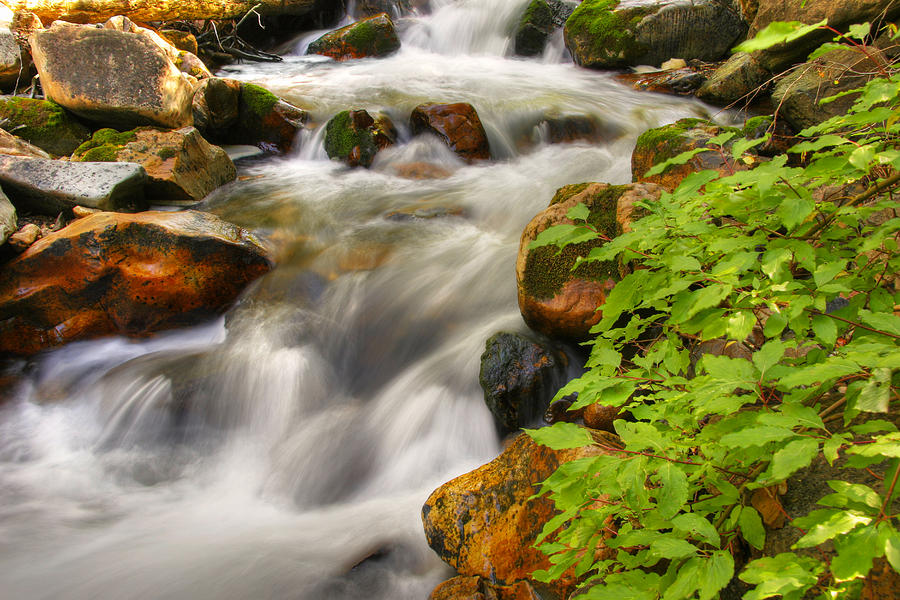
x: 8, y: 222
x: 737, y: 78
x: 10, y: 59
x: 51, y: 186
x: 540, y: 19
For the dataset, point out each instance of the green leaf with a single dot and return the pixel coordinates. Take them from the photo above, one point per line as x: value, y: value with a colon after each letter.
x: 881, y: 321
x: 689, y: 304
x: 825, y: 329
x: 793, y: 457
x: 561, y: 436
x: 827, y: 271
x: 752, y: 528
x: 673, y: 492
x: 741, y: 324
x: 679, y: 159
x: 671, y: 547
x: 859, y: 31
x: 848, y: 494
x: 778, y: 32
x: 855, y: 553
x: 793, y: 210
x: 775, y: 324
x: 755, y: 436
x: 783, y: 574
x: 884, y: 445
x: 803, y: 416
x: 716, y: 573
x: 769, y: 355
x: 876, y: 394
x: 562, y: 235
x: 579, y: 212
x: 823, y: 141
x: 862, y: 157
x: 826, y: 524
x: 891, y: 541
x: 687, y: 581
x: 696, y: 524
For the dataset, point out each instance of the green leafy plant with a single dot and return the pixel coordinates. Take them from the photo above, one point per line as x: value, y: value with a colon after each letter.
x: 790, y: 267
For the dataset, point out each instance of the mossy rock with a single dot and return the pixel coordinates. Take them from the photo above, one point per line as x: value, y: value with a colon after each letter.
x: 605, y: 34
x: 374, y: 37
x: 354, y: 137
x: 736, y: 79
x: 266, y: 120
x: 103, y: 146
x: 43, y: 123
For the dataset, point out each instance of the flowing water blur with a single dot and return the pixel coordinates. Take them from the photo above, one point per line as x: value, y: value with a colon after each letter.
x: 284, y: 451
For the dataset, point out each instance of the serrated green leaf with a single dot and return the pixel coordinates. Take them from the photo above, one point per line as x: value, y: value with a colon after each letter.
x: 741, y: 324
x: 883, y: 445
x: 689, y: 303
x: 562, y: 235
x: 793, y: 210
x: 679, y: 159
x: 715, y: 574
x: 579, y: 212
x: 793, y: 457
x: 863, y: 157
x: 803, y: 416
x: 671, y: 547
x: 778, y: 32
x: 881, y: 321
x: 783, y: 574
x: 854, y: 493
x: 826, y: 524
x: 830, y: 449
x: 698, y: 525
x: 891, y: 542
x: 561, y: 436
x: 672, y: 494
x: 755, y: 436
x: 825, y: 329
x: 687, y: 581
x: 823, y: 141
x: 876, y: 394
x: 827, y: 271
x: 774, y: 325
x: 752, y: 528
x: 859, y: 31
x: 855, y: 553
x: 769, y: 355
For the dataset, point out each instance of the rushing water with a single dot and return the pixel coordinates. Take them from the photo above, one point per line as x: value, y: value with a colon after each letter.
x: 285, y: 450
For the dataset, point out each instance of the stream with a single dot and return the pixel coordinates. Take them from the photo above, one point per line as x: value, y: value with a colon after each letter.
x: 284, y: 451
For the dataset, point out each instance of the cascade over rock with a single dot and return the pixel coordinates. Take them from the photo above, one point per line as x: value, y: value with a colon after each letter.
x: 457, y: 124
x: 540, y: 19
x: 553, y: 299
x: 114, y: 273
x: 374, y: 37
x: 117, y: 78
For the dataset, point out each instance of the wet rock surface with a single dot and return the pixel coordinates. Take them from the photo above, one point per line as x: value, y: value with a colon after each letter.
x: 355, y: 137
x: 372, y: 37
x: 457, y: 124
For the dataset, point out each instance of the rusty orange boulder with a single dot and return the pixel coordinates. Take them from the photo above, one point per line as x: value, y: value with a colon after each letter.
x: 554, y: 299
x: 478, y: 588
x: 128, y: 274
x: 484, y: 523
x: 374, y: 36
x: 457, y: 124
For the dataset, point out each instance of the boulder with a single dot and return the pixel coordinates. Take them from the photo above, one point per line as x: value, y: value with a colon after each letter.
x: 662, y: 143
x: 52, y: 186
x: 608, y: 34
x: 11, y: 63
x: 484, y: 523
x: 354, y: 137
x: 10, y: 144
x: 519, y: 376
x: 183, y: 40
x: 479, y: 588
x: 457, y: 125
x: 678, y: 82
x: 43, y: 123
x: 553, y: 299
x: 116, y: 78
x: 797, y: 94
x: 738, y: 78
x: 265, y: 120
x: 216, y: 105
x: 373, y: 37
x: 540, y: 19
x: 565, y: 128
x: 25, y: 237
x: 114, y: 273
x: 395, y: 8
x: 8, y: 221
x: 180, y: 164
x: 187, y: 62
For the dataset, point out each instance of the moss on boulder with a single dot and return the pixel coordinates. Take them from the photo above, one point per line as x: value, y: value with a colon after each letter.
x: 540, y: 19
x: 265, y: 120
x: 354, y: 137
x: 374, y: 36
x: 103, y: 146
x: 43, y: 123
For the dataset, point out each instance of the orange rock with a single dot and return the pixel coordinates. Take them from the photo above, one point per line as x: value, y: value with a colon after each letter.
x: 457, y: 124
x: 129, y: 274
x: 477, y: 588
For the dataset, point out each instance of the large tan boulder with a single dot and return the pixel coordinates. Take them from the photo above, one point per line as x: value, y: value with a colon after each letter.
x: 186, y: 61
x: 127, y: 274
x: 113, y: 77
x: 553, y: 299
x: 180, y: 164
x: 485, y: 523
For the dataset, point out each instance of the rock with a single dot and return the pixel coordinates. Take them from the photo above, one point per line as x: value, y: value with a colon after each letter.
x: 265, y: 120
x: 553, y: 299
x: 479, y: 588
x: 679, y: 82
x: 51, y: 186
x: 372, y: 37
x: 11, y: 63
x: 114, y: 273
x: 8, y: 221
x: 607, y: 34
x: 216, y: 107
x: 25, y: 237
x: 43, y: 123
x: 598, y: 416
x: 519, y: 377
x: 781, y: 138
x: 457, y: 124
x: 484, y: 523
x: 186, y: 62
x: 183, y: 40
x: 738, y: 78
x: 420, y: 170
x: 540, y: 19
x: 117, y: 78
x: 562, y: 129
x: 354, y: 137
x: 797, y: 94
x: 394, y: 8
x: 10, y: 144
x: 662, y: 143
x: 180, y: 164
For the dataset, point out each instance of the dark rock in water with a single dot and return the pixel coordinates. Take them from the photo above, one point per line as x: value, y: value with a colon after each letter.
x: 354, y: 137
x: 519, y: 377
x: 393, y: 8
x: 51, y: 186
x: 266, y: 120
x: 738, y: 78
x: 540, y: 19
x: 457, y: 124
x: 603, y: 34
x: 678, y: 82
x: 43, y: 123
x: 374, y: 37
x: 561, y: 129
x: 114, y: 273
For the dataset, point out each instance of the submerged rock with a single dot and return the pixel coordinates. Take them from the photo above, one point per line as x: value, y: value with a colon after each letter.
x: 43, y: 123
x: 116, y: 78
x: 51, y: 186
x: 519, y: 377
x: 354, y: 137
x: 114, y: 273
x: 679, y: 82
x: 181, y: 165
x: 553, y: 299
x: 609, y: 34
x: 374, y: 36
x: 458, y: 125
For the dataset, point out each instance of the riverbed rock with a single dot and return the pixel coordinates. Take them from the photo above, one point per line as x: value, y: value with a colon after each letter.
x: 662, y: 143
x: 678, y: 82
x: 566, y: 128
x: 484, y: 523
x: 372, y: 37
x: 608, y: 34
x: 180, y: 164
x: 798, y: 94
x: 354, y: 137
x: 51, y: 186
x: 519, y: 376
x: 216, y: 106
x: 540, y: 19
x: 187, y: 62
x: 738, y: 78
x: 8, y: 221
x: 11, y: 63
x: 14, y: 146
x: 479, y: 588
x: 266, y: 121
x: 126, y: 274
x: 116, y: 78
x: 457, y: 124
x: 553, y: 299
x: 43, y: 123
x: 24, y: 237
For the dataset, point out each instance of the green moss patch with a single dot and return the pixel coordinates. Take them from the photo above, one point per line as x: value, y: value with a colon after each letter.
x: 607, y: 34
x: 257, y: 100
x: 103, y: 146
x: 42, y: 123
